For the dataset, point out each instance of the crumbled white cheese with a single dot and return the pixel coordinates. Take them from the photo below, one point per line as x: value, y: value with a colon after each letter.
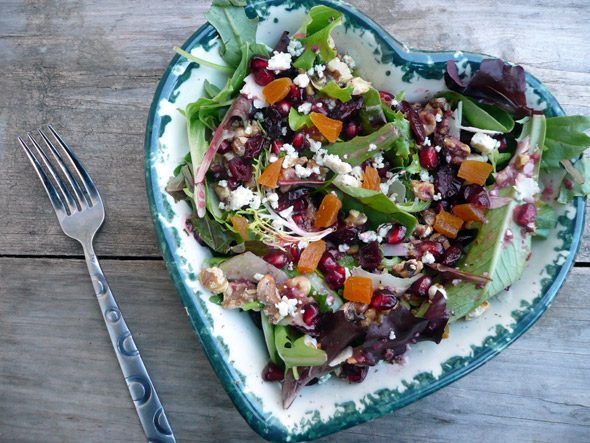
x: 425, y: 176
x: 436, y: 197
x: 272, y: 158
x: 368, y: 236
x: 259, y: 116
x: 526, y: 187
x: 314, y: 145
x: 302, y: 244
x: 222, y: 206
x: 287, y: 306
x: 483, y: 143
x: 273, y: 199
x: 295, y: 48
x: 255, y: 202
x: 359, y: 86
x: 347, y: 180
x: 392, y: 335
x: 240, y: 198
x: 349, y: 61
x: 384, y: 188
x: 342, y: 69
x: 383, y: 230
x: 303, y: 172
x: 426, y: 142
x: 222, y: 183
x: 343, y: 247
x: 310, y: 341
x: 428, y: 258
x: 304, y: 108
x: 437, y: 148
x: 302, y: 80
x: 438, y: 118
x: 319, y: 70
x: 280, y: 61
x: 253, y: 91
x: 342, y: 357
x: 334, y: 162
x: 477, y: 158
x: 258, y: 276
x: 378, y: 161
x: 372, y: 147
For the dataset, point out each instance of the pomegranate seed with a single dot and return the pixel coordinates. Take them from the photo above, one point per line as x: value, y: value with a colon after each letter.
x: 263, y: 77
x: 452, y: 255
x: 258, y: 62
x: 272, y: 372
x: 320, y: 107
x: 434, y: 247
x: 429, y: 158
x: 311, y: 314
x: 477, y: 195
x: 351, y: 130
x: 294, y: 252
x: 277, y: 258
x: 569, y: 183
x: 370, y: 256
x: 421, y: 286
x: 298, y: 140
x: 354, y: 373
x: 383, y: 299
x: 386, y: 97
x: 224, y: 146
x: 276, y: 147
x: 283, y: 107
x: 503, y: 142
x: 240, y: 169
x: 525, y: 215
x: 396, y: 234
x: 336, y: 277
x: 296, y: 96
x: 327, y: 263
x: 233, y: 183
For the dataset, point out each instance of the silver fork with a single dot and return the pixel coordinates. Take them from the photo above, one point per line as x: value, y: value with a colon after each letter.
x: 80, y: 214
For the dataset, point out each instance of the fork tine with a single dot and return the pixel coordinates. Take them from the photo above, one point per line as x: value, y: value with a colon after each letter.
x: 71, y: 180
x: 86, y: 180
x: 70, y: 202
x: 56, y: 202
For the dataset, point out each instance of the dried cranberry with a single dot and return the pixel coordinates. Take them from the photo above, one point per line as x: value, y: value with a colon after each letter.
x: 446, y: 182
x: 348, y: 110
x: 396, y: 234
x: 273, y: 122
x: 294, y: 197
x: 421, y: 286
x: 283, y: 107
x: 477, y: 195
x: 272, y: 372
x: 253, y: 146
x: 298, y: 140
x: 466, y: 236
x: 311, y: 314
x: 429, y: 158
x: 440, y: 205
x: 370, y: 256
x: 240, y: 169
x: 224, y: 147
x: 435, y: 248
x: 525, y: 215
x: 276, y: 147
x: 347, y: 234
x: 415, y: 122
x: 386, y: 97
x: 568, y: 183
x: 383, y: 299
x: 354, y: 373
x: 351, y: 129
x: 233, y: 183
x: 277, y: 258
x: 336, y: 277
x: 263, y: 77
x: 452, y: 255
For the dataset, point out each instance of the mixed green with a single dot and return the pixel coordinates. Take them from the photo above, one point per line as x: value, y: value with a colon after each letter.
x: 350, y: 223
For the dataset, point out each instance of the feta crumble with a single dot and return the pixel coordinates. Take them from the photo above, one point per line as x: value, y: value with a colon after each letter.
x: 428, y: 258
x: 368, y: 236
x: 392, y: 335
x: 240, y: 198
x: 343, y: 247
x: 295, y: 48
x: 359, y: 86
x: 253, y: 91
x: 526, y: 188
x: 372, y: 147
x: 434, y: 288
x: 302, y: 80
x: 349, y: 61
x: 438, y: 118
x: 341, y: 69
x: 304, y: 108
x: 287, y: 306
x: 347, y: 180
x: 334, y: 162
x: 483, y: 143
x: 222, y: 183
x: 280, y: 61
x: 258, y: 276
x: 273, y: 199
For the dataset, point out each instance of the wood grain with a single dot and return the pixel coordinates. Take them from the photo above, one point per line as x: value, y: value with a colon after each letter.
x: 91, y: 68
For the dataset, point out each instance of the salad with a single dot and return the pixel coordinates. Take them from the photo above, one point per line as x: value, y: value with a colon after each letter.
x: 350, y: 223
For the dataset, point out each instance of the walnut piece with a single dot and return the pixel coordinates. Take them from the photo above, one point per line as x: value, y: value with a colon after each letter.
x: 214, y: 280
x: 355, y: 218
x: 422, y: 190
x: 407, y: 268
x: 455, y: 151
x: 428, y: 119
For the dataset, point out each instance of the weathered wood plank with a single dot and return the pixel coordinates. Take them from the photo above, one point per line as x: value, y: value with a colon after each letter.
x: 59, y: 378
x: 91, y: 69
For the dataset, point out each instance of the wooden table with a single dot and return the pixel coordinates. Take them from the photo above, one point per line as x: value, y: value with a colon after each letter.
x: 91, y: 68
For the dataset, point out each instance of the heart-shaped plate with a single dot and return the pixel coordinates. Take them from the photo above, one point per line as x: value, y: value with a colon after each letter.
x: 235, y: 346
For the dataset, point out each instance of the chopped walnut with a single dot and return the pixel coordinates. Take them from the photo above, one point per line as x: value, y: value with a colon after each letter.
x: 442, y: 130
x: 438, y: 103
x: 407, y: 268
x: 300, y: 285
x: 268, y: 294
x: 429, y: 216
x: 478, y: 311
x: 422, y: 190
x: 355, y: 218
x: 213, y: 279
x: 522, y: 160
x: 456, y: 152
x: 441, y: 239
x: 422, y: 231
x: 238, y: 293
x: 222, y: 192
x: 249, y: 131
x: 238, y: 145
x: 428, y: 119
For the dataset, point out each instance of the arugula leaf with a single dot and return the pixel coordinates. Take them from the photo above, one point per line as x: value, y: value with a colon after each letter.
x: 380, y: 204
x: 214, y: 235
x: 234, y: 27
x: 565, y: 139
x: 216, y: 299
x: 414, y: 167
x: 320, y: 22
x: 578, y: 190
x: 294, y: 352
x: 269, y: 337
x: 503, y: 259
x: 357, y: 149
x: 405, y: 142
x: 480, y: 115
x: 372, y: 114
x: 545, y: 220
x: 333, y: 90
x: 297, y: 120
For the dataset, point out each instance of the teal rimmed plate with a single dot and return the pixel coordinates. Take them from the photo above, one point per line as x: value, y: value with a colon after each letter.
x: 234, y: 345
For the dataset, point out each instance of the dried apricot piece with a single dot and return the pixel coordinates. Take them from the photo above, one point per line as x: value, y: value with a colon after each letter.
x: 446, y: 332
x: 277, y: 89
x: 469, y: 212
x: 371, y: 179
x: 329, y: 127
x: 327, y: 215
x: 447, y: 224
x: 241, y: 226
x: 358, y: 289
x: 270, y: 176
x: 311, y: 255
x: 475, y: 171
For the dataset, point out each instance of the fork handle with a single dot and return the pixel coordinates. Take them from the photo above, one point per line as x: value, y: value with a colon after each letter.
x: 148, y: 406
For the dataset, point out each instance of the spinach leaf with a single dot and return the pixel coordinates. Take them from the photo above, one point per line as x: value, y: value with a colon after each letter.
x: 480, y: 115
x: 216, y: 299
x: 333, y: 90
x: 210, y: 89
x: 357, y: 149
x: 214, y: 235
x: 297, y: 120
x: 502, y: 257
x: 578, y: 190
x: 372, y: 114
x: 294, y: 352
x: 416, y: 206
x: 269, y: 337
x: 565, y: 139
x: 234, y: 27
x: 236, y: 81
x: 545, y: 220
x: 196, y: 130
x: 317, y: 27
x: 200, y: 61
x: 379, y: 203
